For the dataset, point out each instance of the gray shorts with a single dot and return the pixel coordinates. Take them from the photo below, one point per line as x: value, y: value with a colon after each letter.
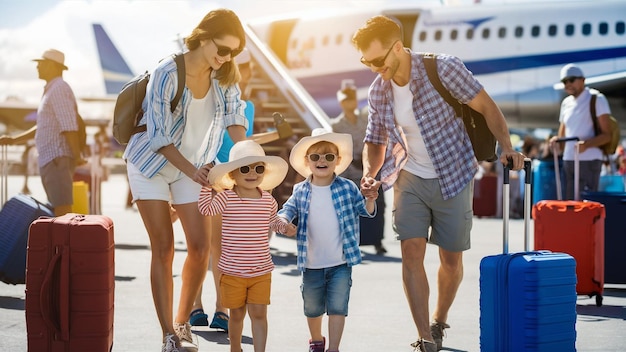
x: 419, y: 206
x: 57, y: 178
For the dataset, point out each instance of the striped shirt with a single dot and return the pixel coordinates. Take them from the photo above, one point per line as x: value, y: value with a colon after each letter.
x: 245, y: 230
x: 349, y: 204
x: 56, y: 114
x: 446, y: 140
x: 165, y: 128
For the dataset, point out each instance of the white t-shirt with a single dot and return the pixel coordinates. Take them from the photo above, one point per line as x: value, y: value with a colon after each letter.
x: 576, y: 116
x: 199, y: 118
x: 324, y: 241
x: 418, y: 162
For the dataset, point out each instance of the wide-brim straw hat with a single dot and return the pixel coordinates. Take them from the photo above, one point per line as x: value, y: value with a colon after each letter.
x: 343, y: 141
x: 244, y: 153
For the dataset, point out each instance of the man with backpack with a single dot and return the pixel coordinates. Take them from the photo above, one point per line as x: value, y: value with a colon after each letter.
x: 56, y: 133
x: 576, y: 120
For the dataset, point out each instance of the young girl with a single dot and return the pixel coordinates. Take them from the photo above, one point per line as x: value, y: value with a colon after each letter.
x: 248, y: 214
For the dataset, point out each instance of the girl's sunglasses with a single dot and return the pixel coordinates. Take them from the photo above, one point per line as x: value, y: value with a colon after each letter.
x: 225, y: 51
x: 259, y: 169
x: 315, y: 157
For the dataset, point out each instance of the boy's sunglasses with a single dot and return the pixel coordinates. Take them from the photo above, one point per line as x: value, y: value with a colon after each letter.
x: 377, y: 62
x: 315, y: 157
x: 259, y: 169
x: 225, y: 51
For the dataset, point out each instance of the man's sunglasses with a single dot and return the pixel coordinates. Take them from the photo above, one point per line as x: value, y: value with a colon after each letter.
x: 315, y: 157
x: 569, y: 80
x: 225, y: 51
x: 377, y: 62
x: 259, y: 169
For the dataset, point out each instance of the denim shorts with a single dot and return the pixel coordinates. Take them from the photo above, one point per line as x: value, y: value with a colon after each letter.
x: 326, y: 290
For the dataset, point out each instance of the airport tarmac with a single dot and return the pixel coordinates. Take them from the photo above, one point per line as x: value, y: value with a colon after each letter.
x: 379, y: 319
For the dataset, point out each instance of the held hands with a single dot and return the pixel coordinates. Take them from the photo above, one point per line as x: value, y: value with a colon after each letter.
x: 290, y: 229
x: 369, y: 187
x: 202, y: 175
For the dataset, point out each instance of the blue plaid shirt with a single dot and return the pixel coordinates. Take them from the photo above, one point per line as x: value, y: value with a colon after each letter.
x: 349, y: 205
x: 447, y: 142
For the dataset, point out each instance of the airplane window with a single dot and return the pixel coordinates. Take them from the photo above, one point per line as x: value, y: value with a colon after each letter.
x: 338, y: 39
x: 552, y: 30
x: 422, y: 36
x: 603, y: 28
x: 569, y: 29
x: 438, y: 35
x: 502, y: 32
x: 519, y: 31
x: 586, y: 28
x: 486, y: 33
x: 454, y: 34
x: 620, y: 27
x: 535, y: 31
x: 470, y: 33
x: 325, y: 41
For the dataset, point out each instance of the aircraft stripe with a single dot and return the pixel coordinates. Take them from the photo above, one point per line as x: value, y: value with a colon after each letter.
x: 482, y: 67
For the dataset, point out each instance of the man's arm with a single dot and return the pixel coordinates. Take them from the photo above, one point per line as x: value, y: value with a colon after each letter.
x: 373, y: 158
x: 496, y: 122
x: 21, y: 138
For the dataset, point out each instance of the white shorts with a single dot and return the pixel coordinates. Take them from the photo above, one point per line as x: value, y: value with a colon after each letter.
x: 169, y: 184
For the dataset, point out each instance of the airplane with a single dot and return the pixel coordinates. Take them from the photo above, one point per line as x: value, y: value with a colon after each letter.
x: 515, y: 50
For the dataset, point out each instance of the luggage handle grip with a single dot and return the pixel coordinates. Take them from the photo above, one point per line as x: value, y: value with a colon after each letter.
x: 506, y: 190
x: 45, y: 294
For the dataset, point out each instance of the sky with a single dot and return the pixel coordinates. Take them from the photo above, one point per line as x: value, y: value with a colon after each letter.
x: 143, y: 31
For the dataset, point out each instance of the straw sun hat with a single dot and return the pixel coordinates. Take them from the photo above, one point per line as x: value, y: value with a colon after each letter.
x: 244, y: 153
x: 343, y: 141
x: 53, y: 55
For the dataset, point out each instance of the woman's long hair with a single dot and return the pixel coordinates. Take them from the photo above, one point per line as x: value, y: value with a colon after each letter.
x: 217, y: 24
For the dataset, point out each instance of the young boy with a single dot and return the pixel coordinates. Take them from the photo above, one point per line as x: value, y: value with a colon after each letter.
x: 248, y: 213
x: 328, y: 208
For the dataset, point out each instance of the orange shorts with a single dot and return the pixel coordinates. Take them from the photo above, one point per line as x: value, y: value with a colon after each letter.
x: 238, y: 291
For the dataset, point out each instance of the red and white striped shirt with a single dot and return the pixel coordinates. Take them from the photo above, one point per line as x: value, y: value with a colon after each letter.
x: 245, y: 230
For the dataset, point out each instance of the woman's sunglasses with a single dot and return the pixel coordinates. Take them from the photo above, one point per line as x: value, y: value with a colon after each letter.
x: 259, y: 169
x: 225, y: 51
x: 315, y: 157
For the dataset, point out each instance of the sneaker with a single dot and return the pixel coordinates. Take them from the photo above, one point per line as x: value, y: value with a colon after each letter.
x: 422, y: 345
x: 438, y: 333
x: 220, y: 321
x: 183, y: 331
x: 169, y: 344
x: 317, y: 346
x: 198, y: 318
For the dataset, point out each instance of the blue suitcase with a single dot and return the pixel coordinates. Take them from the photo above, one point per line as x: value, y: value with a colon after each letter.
x: 15, y: 219
x: 527, y: 299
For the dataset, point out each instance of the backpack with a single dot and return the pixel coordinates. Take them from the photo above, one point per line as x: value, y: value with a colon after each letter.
x: 483, y: 141
x: 128, y: 111
x: 610, y: 147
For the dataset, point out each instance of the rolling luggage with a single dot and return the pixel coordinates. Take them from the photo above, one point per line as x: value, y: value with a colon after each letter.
x: 485, y: 200
x: 70, y: 284
x: 15, y: 218
x: 614, y: 234
x: 577, y: 228
x: 527, y: 299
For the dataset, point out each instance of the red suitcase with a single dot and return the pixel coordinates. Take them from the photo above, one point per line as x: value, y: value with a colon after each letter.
x: 485, y: 200
x: 577, y: 228
x: 70, y: 284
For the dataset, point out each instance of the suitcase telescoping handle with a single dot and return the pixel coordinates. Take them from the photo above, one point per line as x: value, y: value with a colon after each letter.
x: 557, y: 173
x: 506, y: 205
